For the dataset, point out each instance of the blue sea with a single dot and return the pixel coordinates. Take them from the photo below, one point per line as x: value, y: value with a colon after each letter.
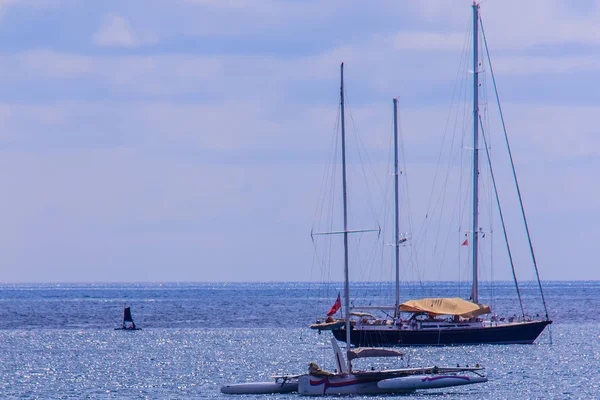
x: 57, y: 341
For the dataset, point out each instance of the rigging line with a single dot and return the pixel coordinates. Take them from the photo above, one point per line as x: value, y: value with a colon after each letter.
x: 331, y: 173
x: 361, y: 148
x: 326, y: 178
x: 330, y: 223
x: 512, y: 265
x: 487, y: 190
x: 332, y: 197
x: 444, y: 248
x: 537, y: 273
x: 321, y: 258
x: 388, y: 268
x: 406, y: 197
x: 454, y: 90
x: 455, y: 208
x: 318, y: 216
x: 317, y: 260
x: 371, y: 257
x: 451, y: 160
x: 464, y: 199
x: 421, y: 236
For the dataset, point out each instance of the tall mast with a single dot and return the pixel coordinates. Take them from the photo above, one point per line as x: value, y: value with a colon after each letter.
x: 396, y: 212
x: 344, y: 198
x: 475, y: 230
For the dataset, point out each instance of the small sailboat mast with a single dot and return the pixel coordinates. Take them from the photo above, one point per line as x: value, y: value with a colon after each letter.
x: 396, y: 211
x: 345, y: 201
x: 475, y: 227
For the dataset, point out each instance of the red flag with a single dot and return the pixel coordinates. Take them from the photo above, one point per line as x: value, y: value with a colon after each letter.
x: 336, y: 306
x: 465, y: 243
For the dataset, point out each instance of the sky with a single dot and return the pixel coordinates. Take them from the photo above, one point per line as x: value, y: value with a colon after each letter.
x: 186, y: 140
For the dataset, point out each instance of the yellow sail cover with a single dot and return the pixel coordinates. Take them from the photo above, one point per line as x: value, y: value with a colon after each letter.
x: 445, y: 306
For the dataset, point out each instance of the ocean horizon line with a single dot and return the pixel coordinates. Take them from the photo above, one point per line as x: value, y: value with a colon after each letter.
x: 58, y: 283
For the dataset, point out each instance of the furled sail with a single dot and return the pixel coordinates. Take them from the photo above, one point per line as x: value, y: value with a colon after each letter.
x: 373, y: 352
x: 445, y: 306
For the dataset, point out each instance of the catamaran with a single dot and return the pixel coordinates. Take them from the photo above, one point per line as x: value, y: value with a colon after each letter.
x: 447, y: 321
x: 345, y: 379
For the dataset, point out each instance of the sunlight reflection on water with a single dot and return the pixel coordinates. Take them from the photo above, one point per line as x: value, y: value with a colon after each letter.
x: 194, y: 363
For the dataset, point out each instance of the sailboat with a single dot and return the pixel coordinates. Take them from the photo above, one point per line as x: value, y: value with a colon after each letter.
x: 345, y: 379
x: 319, y: 382
x: 128, y: 324
x: 461, y: 320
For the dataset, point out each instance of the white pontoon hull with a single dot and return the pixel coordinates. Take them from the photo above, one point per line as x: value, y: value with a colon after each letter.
x: 429, y: 381
x: 260, y: 388
x: 311, y: 385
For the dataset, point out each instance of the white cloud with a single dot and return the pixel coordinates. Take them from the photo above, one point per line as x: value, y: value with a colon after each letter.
x: 253, y: 88
x: 116, y: 32
x: 509, y: 24
x: 158, y: 193
x: 513, y: 24
x: 210, y: 140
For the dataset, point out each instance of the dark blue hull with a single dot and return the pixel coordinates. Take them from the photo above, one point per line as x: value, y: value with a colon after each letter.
x: 517, y: 333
